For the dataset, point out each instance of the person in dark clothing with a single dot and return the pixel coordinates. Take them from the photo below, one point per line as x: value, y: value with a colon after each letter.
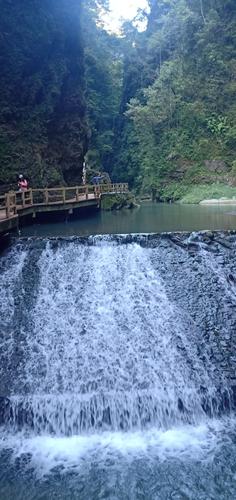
x: 97, y: 179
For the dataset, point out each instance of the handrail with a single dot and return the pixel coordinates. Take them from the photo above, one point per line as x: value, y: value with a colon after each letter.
x: 15, y: 201
x: 9, y: 205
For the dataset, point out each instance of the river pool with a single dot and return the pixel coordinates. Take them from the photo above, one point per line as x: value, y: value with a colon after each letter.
x: 147, y: 218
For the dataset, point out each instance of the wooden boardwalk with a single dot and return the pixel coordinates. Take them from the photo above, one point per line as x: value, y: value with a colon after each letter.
x: 16, y: 204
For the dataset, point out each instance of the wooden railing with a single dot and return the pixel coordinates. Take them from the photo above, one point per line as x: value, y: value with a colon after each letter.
x: 15, y: 201
x: 8, y: 205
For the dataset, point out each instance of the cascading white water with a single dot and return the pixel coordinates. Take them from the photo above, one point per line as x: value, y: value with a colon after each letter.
x: 117, y: 368
x: 104, y: 348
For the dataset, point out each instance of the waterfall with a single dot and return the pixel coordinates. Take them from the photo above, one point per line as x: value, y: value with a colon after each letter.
x: 95, y: 342
x: 115, y: 347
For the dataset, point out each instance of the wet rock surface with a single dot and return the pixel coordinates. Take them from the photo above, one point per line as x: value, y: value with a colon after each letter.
x: 198, y: 274
x: 199, y: 270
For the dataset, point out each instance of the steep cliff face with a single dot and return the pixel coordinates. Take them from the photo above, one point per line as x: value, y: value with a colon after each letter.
x: 43, y: 128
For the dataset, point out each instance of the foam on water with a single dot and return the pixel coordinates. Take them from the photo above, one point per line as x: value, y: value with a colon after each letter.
x: 45, y: 453
x: 11, y: 272
x: 109, y: 364
x: 107, y: 348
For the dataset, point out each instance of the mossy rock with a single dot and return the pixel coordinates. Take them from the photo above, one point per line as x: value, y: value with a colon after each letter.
x: 117, y: 201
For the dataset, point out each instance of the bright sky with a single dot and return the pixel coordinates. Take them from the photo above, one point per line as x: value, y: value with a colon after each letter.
x: 123, y: 9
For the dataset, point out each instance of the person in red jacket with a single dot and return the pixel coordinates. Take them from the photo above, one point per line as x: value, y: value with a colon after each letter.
x: 22, y: 183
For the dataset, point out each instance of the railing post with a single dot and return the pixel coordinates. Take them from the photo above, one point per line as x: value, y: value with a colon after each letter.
x: 31, y: 197
x: 77, y: 193
x: 7, y: 204
x: 13, y: 199
x: 10, y: 204
x: 13, y: 202
x: 64, y: 195
x: 23, y: 198
x: 46, y: 196
x: 86, y: 192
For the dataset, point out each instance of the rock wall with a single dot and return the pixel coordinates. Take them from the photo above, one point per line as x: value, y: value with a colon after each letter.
x: 43, y: 129
x: 202, y: 282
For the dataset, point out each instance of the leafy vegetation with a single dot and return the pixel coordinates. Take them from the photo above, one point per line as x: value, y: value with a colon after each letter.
x: 103, y: 74
x: 203, y: 192
x: 181, y: 115
x: 156, y: 109
x: 43, y: 126
x: 117, y: 201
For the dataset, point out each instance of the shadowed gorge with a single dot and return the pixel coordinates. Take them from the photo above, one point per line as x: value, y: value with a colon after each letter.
x: 43, y: 128
x: 153, y: 108
x: 117, y: 306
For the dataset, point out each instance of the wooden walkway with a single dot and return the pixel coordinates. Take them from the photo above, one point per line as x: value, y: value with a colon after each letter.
x: 16, y: 204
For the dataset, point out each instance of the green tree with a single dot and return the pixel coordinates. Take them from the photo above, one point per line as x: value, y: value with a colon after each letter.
x: 103, y: 69
x: 182, y: 110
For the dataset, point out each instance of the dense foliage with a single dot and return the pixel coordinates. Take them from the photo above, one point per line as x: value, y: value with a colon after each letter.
x: 155, y: 108
x: 183, y: 116
x: 43, y: 128
x: 103, y: 74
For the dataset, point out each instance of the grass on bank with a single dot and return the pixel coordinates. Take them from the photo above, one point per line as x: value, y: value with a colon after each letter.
x: 186, y: 193
x: 195, y: 194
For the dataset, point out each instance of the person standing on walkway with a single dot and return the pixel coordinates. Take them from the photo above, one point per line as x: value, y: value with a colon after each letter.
x: 22, y: 183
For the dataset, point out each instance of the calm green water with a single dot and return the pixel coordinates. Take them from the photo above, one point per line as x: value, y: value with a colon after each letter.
x: 148, y: 218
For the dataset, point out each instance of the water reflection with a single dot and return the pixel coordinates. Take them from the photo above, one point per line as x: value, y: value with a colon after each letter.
x: 148, y: 218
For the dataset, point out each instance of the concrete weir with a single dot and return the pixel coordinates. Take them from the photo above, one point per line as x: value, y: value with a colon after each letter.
x: 118, y: 352
x: 151, y: 342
